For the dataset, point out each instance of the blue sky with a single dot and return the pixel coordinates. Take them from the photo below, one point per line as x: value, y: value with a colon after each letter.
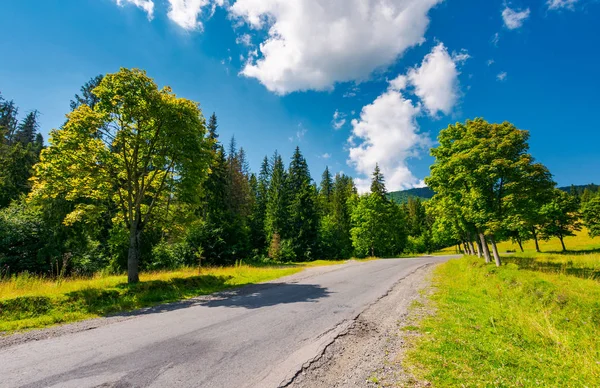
x: 276, y: 71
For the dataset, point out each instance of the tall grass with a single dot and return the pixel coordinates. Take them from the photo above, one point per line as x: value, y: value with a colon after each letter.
x: 507, y: 327
x: 532, y: 322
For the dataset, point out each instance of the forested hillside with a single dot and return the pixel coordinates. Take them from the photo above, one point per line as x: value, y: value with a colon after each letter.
x: 402, y: 196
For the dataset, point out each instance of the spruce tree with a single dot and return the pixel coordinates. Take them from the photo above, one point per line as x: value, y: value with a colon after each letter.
x: 8, y: 120
x: 261, y: 195
x: 87, y: 96
x: 303, y: 211
x: 276, y: 216
x: 378, y: 183
x: 27, y: 129
x: 325, y: 192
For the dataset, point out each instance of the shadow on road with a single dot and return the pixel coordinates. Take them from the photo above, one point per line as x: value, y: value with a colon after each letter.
x: 250, y: 297
x: 279, y: 293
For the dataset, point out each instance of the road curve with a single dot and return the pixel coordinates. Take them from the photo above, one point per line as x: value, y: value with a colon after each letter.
x: 259, y: 336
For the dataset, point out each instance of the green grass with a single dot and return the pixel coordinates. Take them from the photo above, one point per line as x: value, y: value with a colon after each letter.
x: 534, y: 321
x: 28, y: 302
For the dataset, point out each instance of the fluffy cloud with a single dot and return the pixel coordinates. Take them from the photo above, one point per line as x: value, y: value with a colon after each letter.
x: 501, y: 76
x: 387, y: 131
x: 146, y: 5
x: 339, y: 119
x: 187, y: 12
x: 560, y: 4
x: 514, y: 19
x: 436, y: 80
x: 390, y: 135
x: 312, y: 44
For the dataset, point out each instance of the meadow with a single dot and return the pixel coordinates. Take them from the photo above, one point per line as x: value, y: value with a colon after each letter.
x: 532, y: 322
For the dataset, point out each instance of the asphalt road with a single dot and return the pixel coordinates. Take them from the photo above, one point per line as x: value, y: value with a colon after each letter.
x: 256, y: 337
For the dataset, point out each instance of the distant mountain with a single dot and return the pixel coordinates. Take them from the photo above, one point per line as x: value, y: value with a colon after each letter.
x: 426, y: 193
x: 403, y: 195
x: 580, y: 188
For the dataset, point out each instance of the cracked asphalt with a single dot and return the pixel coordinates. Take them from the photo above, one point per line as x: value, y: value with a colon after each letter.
x: 256, y: 336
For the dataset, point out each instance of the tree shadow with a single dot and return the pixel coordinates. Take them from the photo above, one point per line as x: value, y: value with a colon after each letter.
x: 217, y: 294
x: 567, y: 268
x: 579, y: 252
x: 159, y: 296
x: 277, y: 293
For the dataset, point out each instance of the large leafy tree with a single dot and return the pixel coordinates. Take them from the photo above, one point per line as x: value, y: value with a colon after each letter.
x: 140, y: 146
x: 486, y: 172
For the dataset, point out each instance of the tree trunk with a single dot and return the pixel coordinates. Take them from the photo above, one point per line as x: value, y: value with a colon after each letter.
x: 133, y: 258
x: 537, y: 245
x: 479, y: 252
x: 486, y: 250
x: 562, y: 242
x: 472, y: 247
x: 495, y: 249
x: 467, y: 249
x: 520, y: 244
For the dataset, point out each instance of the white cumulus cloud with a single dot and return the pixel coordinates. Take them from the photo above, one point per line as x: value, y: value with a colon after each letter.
x: 502, y: 76
x: 436, y: 79
x: 514, y: 19
x: 560, y: 4
x: 389, y: 135
x: 186, y: 13
x: 146, y: 5
x: 312, y: 44
x: 387, y: 132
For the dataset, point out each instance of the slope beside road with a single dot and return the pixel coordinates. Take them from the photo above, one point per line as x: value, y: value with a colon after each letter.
x: 267, y: 335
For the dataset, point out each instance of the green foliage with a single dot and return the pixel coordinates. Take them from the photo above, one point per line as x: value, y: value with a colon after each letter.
x: 561, y: 217
x: 276, y: 213
x: 378, y: 224
x: 591, y: 215
x: 486, y: 182
x: 138, y: 147
x: 302, y: 210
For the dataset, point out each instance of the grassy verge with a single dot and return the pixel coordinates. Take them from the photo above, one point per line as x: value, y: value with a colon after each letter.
x: 28, y: 302
x: 510, y: 326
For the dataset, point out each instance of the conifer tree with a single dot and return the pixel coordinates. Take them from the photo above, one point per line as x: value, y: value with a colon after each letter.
x: 303, y: 212
x: 87, y: 96
x: 378, y: 183
x: 277, y: 204
x: 27, y: 129
x: 325, y: 192
x: 261, y: 195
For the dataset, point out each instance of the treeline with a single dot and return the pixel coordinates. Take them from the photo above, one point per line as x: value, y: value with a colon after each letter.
x: 136, y: 179
x: 489, y: 188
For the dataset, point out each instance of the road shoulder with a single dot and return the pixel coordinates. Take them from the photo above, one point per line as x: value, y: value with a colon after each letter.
x: 370, y: 352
